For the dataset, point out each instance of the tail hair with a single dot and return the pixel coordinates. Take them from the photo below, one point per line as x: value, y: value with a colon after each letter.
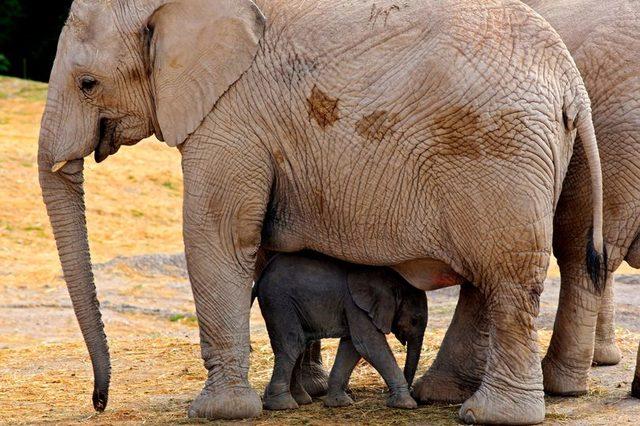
x: 254, y: 293
x: 597, y: 265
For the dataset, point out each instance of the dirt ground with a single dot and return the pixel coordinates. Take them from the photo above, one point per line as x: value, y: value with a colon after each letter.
x: 134, y: 213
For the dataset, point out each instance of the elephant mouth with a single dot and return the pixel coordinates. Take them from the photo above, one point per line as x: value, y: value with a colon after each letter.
x: 106, y: 140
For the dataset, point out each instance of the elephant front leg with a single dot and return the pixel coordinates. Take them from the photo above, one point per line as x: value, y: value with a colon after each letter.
x: 372, y: 345
x: 222, y: 296
x: 606, y: 351
x: 346, y: 360
x: 459, y: 367
x: 221, y: 238
x: 568, y: 360
x: 511, y: 391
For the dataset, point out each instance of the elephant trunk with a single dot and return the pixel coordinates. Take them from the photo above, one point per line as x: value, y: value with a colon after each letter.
x: 414, y: 348
x: 63, y: 195
x: 635, y: 389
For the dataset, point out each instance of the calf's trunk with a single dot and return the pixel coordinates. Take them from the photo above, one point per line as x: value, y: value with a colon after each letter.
x: 414, y: 348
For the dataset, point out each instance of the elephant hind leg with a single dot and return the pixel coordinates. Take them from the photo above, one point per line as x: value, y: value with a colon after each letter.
x: 277, y: 395
x: 288, y: 342
x: 511, y: 391
x: 606, y: 351
x: 298, y: 391
x: 568, y: 360
x: 459, y: 367
x: 311, y: 374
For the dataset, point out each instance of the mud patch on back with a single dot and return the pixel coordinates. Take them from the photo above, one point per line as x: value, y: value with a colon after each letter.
x: 322, y: 108
x: 377, y: 125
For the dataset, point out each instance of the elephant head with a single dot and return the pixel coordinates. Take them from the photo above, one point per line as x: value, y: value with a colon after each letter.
x: 394, y: 306
x: 125, y: 70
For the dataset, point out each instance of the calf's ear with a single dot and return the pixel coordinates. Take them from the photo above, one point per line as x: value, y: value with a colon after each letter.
x: 374, y: 293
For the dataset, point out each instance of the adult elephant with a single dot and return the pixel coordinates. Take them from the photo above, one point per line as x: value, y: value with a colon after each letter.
x: 371, y: 132
x: 604, y: 39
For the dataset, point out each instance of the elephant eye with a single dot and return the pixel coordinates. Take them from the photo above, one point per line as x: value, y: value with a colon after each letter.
x: 88, y: 84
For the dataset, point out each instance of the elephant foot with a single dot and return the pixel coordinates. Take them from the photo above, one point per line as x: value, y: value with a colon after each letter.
x: 635, y: 388
x: 606, y: 354
x: 559, y: 382
x: 301, y: 396
x: 230, y: 404
x: 444, y: 387
x: 401, y: 400
x: 338, y: 399
x: 503, y: 406
x: 314, y: 379
x: 283, y: 401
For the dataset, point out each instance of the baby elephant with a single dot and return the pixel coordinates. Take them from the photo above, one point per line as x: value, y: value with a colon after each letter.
x: 306, y: 297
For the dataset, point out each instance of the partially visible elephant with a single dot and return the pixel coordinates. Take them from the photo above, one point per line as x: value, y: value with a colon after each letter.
x: 305, y: 297
x: 635, y: 388
x: 604, y: 39
x: 431, y: 136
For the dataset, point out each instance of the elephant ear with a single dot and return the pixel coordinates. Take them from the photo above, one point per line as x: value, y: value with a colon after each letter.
x: 375, y: 294
x: 197, y: 49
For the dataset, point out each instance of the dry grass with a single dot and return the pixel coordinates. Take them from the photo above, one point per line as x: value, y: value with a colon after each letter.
x: 155, y: 379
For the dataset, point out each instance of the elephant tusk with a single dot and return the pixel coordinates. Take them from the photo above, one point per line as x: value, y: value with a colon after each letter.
x: 56, y: 167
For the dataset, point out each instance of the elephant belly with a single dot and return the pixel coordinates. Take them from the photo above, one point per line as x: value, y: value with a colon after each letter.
x: 428, y: 274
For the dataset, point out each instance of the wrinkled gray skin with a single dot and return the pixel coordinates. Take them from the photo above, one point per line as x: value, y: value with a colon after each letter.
x: 604, y: 39
x: 305, y: 297
x: 431, y: 136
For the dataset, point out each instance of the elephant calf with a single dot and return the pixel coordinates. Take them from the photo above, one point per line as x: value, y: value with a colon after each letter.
x: 306, y: 297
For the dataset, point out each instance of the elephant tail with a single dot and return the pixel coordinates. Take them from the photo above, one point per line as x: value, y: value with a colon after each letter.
x: 254, y: 295
x: 596, y: 253
x: 254, y: 292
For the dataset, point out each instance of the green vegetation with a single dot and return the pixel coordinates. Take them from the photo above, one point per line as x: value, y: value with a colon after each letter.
x: 176, y: 317
x: 29, y: 31
x: 170, y: 185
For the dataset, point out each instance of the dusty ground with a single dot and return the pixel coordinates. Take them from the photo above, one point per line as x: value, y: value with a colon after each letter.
x: 133, y: 209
